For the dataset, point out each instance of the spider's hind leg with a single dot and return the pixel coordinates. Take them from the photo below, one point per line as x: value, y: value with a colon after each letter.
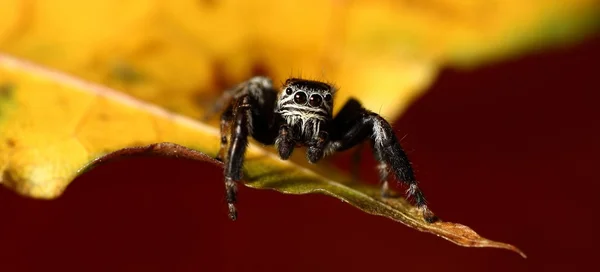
x: 390, y: 154
x: 383, y: 169
x: 355, y: 124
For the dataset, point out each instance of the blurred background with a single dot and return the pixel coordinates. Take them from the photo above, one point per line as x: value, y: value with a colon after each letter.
x: 495, y: 102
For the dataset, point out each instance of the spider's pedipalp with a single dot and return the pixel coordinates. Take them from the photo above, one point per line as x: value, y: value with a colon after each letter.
x: 285, y: 142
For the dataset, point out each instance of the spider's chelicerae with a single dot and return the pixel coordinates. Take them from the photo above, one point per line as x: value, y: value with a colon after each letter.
x: 300, y: 115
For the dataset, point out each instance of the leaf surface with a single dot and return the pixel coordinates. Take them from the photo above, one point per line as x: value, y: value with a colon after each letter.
x: 385, y: 52
x: 52, y: 126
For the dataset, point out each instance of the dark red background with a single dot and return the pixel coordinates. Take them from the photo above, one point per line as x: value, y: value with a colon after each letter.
x: 510, y: 149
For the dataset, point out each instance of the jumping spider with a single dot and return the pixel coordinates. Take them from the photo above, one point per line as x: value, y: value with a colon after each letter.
x: 301, y: 116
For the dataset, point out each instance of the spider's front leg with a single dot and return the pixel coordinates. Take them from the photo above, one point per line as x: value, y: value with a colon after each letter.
x: 353, y: 125
x: 250, y: 113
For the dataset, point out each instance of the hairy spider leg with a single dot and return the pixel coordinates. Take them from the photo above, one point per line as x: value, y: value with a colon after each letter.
x: 354, y: 124
x: 226, y: 100
x: 383, y: 170
x: 235, y: 155
x: 252, y: 114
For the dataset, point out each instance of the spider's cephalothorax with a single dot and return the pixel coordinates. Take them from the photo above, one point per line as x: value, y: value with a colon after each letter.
x: 306, y: 107
x: 301, y: 115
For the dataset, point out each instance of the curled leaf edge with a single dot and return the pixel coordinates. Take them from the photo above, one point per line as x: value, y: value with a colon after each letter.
x: 173, y: 150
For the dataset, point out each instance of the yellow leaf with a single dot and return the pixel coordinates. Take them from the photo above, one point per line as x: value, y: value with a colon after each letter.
x: 53, y: 125
x: 379, y: 50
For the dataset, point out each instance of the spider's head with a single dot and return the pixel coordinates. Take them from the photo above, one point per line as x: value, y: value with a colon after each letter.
x: 308, y: 96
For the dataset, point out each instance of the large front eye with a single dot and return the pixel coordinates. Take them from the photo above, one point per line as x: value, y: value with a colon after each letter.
x: 315, y: 100
x: 300, y: 98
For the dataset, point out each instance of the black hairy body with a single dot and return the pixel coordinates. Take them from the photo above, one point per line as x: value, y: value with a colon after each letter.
x: 300, y: 115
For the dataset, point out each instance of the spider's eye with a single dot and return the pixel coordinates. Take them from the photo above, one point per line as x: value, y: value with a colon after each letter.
x: 300, y: 98
x: 327, y: 97
x: 288, y: 90
x: 315, y: 100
